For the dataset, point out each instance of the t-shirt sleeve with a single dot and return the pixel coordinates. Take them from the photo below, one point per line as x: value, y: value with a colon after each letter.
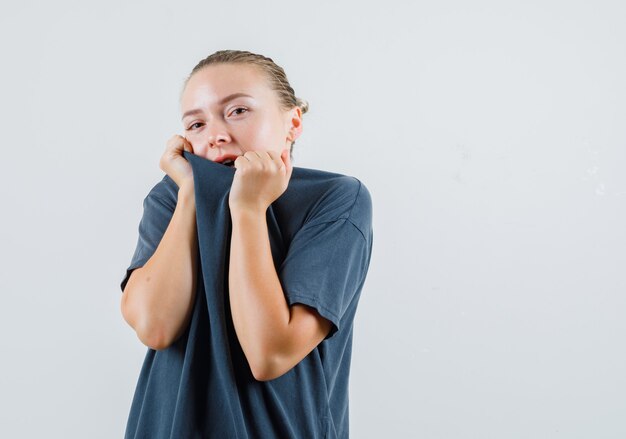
x: 157, y: 213
x: 325, y: 267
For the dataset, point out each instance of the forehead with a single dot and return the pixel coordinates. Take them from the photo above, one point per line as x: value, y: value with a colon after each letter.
x: 209, y: 85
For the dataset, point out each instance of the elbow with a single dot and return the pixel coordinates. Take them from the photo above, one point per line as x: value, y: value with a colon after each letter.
x: 264, y: 373
x: 151, y: 333
x: 268, y: 367
x: 270, y: 359
x: 154, y: 337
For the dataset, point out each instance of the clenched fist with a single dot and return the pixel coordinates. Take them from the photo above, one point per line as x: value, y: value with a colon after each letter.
x: 260, y: 178
x: 174, y: 164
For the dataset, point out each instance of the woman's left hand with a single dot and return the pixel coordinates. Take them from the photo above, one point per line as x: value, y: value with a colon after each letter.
x: 260, y: 178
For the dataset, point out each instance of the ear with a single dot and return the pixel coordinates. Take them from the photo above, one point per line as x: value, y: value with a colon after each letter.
x: 294, y: 124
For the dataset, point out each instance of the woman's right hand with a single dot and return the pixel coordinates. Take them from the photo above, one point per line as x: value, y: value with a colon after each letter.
x: 174, y: 164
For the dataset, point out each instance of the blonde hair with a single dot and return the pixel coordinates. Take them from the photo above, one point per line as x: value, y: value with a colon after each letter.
x: 275, y: 75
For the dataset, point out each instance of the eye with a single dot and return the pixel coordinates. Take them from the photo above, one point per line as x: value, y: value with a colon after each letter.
x: 237, y: 109
x: 192, y: 125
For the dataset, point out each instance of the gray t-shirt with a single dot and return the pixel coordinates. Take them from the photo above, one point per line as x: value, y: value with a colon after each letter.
x: 320, y: 232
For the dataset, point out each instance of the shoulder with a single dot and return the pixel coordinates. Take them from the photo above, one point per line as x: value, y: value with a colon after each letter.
x: 361, y: 211
x: 339, y: 196
x: 165, y: 191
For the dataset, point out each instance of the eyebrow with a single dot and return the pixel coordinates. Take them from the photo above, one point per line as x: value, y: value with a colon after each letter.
x: 221, y: 102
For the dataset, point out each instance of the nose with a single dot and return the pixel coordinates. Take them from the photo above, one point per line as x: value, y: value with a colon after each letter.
x: 218, y: 135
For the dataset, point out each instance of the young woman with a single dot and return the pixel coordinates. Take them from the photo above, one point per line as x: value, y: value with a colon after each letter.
x: 248, y: 317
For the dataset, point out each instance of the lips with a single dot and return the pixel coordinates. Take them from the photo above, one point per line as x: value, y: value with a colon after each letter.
x: 227, y: 160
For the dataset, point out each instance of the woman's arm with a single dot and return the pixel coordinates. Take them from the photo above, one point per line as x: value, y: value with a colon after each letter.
x: 273, y: 336
x: 158, y: 298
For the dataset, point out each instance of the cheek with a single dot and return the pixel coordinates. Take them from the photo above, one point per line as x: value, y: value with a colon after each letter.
x: 194, y: 139
x: 261, y: 135
x: 192, y: 136
x: 197, y: 142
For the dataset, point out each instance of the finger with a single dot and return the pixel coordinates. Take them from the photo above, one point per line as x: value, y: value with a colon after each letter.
x: 240, y: 161
x: 260, y: 156
x: 275, y: 158
x: 280, y: 158
x: 286, y: 158
x: 250, y: 155
x: 188, y: 146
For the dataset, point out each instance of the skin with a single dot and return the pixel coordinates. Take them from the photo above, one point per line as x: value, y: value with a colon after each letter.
x: 273, y: 336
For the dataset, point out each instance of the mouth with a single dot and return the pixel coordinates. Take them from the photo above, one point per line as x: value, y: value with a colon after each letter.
x: 227, y: 160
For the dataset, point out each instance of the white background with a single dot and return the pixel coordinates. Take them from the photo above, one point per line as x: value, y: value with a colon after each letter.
x: 490, y: 135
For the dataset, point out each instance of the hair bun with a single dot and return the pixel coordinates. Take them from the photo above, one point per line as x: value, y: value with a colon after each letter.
x: 304, y: 105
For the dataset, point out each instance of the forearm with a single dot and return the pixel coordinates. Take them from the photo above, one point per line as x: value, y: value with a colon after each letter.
x: 259, y: 310
x: 159, y: 296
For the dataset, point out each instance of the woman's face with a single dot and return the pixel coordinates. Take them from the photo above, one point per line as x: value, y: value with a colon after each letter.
x: 220, y: 122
